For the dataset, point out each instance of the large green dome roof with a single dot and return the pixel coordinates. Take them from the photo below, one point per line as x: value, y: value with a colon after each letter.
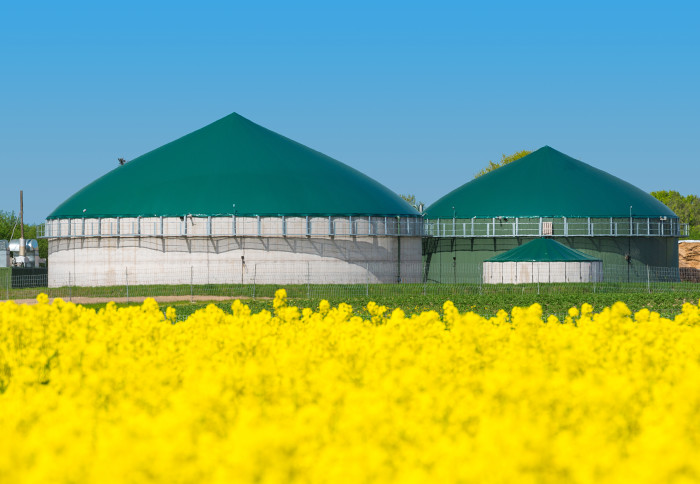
x: 233, y: 161
x: 547, y: 183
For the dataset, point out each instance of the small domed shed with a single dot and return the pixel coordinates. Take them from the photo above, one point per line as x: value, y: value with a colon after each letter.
x: 542, y: 260
x: 225, y: 197
x: 550, y: 194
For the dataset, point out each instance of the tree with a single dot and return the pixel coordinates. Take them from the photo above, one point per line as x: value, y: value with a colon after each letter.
x: 505, y: 159
x: 411, y: 199
x: 687, y: 208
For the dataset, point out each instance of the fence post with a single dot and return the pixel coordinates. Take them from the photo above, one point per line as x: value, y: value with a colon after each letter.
x: 308, y: 280
x: 255, y: 276
x: 367, y: 285
x: 648, y: 281
x: 191, y: 284
x: 70, y: 289
x: 126, y: 274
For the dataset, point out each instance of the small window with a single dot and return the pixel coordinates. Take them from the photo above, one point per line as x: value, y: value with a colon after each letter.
x: 546, y: 228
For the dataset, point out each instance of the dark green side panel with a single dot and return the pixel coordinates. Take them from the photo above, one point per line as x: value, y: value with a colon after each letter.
x: 460, y: 259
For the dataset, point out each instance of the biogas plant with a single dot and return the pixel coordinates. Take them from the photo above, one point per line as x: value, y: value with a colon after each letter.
x: 233, y: 202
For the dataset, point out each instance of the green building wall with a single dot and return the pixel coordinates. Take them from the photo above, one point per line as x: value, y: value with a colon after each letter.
x: 459, y: 259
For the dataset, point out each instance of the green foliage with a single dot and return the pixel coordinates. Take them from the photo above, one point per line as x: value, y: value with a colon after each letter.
x: 667, y: 304
x: 686, y: 207
x: 10, y: 221
x: 505, y: 159
x: 411, y: 199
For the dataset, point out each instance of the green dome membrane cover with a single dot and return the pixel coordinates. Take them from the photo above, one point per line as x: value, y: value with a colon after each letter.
x: 233, y: 167
x: 547, y: 183
x: 542, y: 250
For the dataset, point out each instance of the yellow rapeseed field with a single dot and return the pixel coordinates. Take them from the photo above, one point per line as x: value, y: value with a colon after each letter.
x: 302, y: 395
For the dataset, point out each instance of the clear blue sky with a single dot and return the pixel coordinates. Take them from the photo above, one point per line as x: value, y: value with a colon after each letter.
x: 417, y: 96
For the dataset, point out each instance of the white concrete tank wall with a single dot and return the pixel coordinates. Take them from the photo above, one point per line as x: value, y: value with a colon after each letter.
x: 203, y: 250
x: 543, y: 272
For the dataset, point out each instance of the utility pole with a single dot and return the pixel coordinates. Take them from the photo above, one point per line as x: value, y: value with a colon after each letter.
x: 21, y: 259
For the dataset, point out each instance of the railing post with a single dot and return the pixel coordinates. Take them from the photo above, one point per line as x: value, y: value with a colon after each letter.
x: 284, y: 226
x: 539, y: 233
x: 308, y: 227
x: 566, y: 227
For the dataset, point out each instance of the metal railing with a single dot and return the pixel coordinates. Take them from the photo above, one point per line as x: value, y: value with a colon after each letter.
x: 194, y: 226
x: 233, y: 226
x: 555, y: 227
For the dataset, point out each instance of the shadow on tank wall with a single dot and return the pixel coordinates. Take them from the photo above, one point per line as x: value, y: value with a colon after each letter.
x: 340, y: 259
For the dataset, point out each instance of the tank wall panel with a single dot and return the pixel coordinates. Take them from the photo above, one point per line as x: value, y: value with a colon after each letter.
x: 154, y: 260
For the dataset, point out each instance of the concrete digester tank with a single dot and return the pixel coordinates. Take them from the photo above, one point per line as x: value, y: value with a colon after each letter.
x: 550, y: 194
x: 233, y: 202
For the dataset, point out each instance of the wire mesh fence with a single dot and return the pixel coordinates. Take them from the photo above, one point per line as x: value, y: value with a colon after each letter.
x: 312, y: 280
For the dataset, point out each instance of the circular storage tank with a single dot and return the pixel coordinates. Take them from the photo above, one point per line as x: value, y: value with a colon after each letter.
x: 233, y: 202
x: 542, y: 261
x: 550, y: 194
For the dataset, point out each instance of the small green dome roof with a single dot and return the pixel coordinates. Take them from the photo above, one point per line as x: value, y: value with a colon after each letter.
x: 233, y: 161
x: 547, y: 183
x: 542, y: 250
